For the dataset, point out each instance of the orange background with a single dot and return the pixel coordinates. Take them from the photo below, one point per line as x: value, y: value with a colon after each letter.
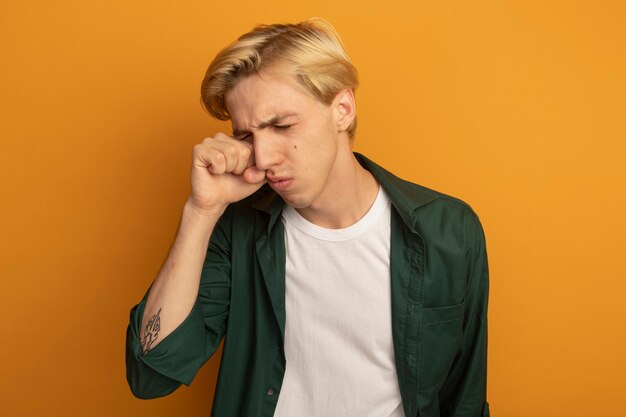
x: 519, y: 108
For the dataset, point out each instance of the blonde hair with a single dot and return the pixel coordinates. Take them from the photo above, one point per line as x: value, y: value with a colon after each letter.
x: 312, y: 49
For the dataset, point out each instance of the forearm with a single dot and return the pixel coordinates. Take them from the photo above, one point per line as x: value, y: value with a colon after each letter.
x: 175, y: 289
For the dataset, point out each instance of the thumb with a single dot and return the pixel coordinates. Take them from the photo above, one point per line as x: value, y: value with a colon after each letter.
x: 253, y: 175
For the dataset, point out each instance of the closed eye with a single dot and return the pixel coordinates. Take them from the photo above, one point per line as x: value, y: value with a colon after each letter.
x: 282, y: 127
x: 240, y: 136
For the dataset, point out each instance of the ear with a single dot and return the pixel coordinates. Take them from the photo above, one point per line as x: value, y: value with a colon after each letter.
x: 344, y: 106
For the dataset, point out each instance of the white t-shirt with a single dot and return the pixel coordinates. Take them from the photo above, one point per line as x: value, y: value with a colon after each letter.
x: 338, y: 339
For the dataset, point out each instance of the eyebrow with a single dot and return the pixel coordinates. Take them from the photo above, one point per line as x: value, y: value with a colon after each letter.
x: 269, y: 122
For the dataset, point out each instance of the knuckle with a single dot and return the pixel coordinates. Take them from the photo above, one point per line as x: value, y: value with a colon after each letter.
x: 232, y: 151
x: 245, y: 152
x: 220, y: 135
x: 219, y: 158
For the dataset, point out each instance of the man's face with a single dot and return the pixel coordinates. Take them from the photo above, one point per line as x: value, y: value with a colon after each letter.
x: 295, y: 136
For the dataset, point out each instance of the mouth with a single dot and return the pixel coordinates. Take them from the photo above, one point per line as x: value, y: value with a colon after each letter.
x: 279, y: 183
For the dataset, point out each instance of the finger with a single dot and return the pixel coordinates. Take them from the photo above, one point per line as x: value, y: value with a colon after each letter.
x: 209, y: 158
x: 245, y: 159
x: 238, y: 153
x: 219, y: 136
x: 253, y: 175
x: 230, y: 153
x: 216, y: 161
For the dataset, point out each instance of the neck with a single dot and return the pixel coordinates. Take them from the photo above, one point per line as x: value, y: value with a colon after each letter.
x: 348, y: 195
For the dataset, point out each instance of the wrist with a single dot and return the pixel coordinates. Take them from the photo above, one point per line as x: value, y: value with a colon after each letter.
x: 210, y: 212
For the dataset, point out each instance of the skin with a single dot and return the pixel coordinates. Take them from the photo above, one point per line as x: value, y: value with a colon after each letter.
x: 281, y: 135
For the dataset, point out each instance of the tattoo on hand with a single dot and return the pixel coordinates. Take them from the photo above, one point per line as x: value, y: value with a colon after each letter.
x: 151, y: 332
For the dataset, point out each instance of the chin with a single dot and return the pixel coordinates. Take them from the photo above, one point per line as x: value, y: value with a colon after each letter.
x: 297, y: 202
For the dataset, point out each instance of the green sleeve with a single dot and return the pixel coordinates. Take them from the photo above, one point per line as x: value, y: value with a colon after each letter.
x: 464, y: 391
x: 179, y: 356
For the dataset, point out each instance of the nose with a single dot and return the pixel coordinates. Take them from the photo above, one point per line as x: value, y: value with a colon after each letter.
x: 266, y: 151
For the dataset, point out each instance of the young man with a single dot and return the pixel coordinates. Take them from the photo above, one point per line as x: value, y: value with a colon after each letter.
x: 340, y: 289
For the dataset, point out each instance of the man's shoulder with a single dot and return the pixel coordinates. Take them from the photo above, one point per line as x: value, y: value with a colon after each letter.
x: 412, y: 198
x: 441, y: 207
x: 443, y: 218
